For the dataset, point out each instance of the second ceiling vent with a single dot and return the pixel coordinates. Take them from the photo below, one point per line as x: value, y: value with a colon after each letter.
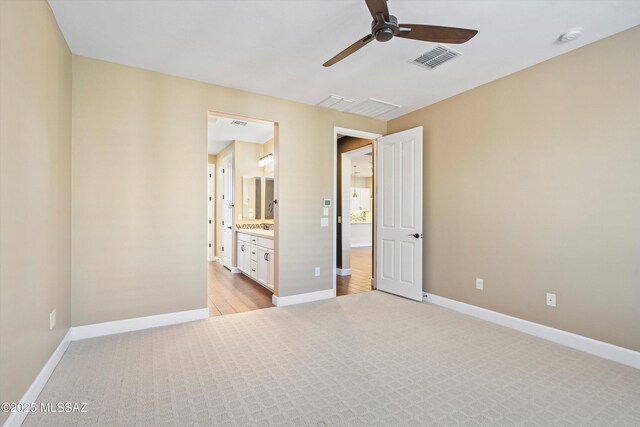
x: 435, y: 57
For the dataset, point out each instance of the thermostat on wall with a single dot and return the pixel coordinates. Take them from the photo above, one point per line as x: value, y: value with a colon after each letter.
x: 326, y: 203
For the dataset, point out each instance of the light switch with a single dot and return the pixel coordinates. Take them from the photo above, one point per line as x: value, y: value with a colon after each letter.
x: 324, y: 222
x: 325, y: 211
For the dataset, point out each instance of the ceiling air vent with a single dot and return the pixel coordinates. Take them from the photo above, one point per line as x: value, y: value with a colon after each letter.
x: 336, y: 102
x: 435, y: 57
x: 239, y: 123
x: 372, y: 108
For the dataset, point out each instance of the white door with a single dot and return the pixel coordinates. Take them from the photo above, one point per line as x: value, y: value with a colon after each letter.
x: 399, y: 213
x: 227, y: 212
x: 211, y: 209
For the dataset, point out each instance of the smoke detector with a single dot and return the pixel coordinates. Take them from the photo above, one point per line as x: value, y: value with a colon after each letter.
x: 570, y: 35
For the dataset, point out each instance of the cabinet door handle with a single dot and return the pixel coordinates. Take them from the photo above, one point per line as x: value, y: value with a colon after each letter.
x: 242, y: 248
x: 266, y: 256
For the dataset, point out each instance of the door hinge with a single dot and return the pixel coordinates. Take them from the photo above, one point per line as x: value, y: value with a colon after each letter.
x: 209, y: 198
x: 209, y: 244
x: 222, y: 222
x: 223, y: 249
x: 209, y: 175
x: 209, y: 221
x: 223, y: 197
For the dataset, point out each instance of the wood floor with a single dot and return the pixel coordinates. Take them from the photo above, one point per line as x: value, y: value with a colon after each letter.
x: 360, y: 278
x: 234, y: 293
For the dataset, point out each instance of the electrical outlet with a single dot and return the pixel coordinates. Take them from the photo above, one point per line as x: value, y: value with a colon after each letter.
x: 317, y: 272
x: 551, y: 300
x: 52, y: 319
x: 479, y: 284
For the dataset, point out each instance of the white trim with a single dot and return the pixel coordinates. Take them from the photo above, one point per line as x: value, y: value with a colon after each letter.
x: 361, y: 245
x: 218, y: 260
x: 211, y: 228
x: 302, y: 298
x: 137, y: 323
x: 17, y: 418
x: 235, y: 270
x: 349, y: 132
x: 343, y: 271
x: 355, y: 133
x: 588, y: 345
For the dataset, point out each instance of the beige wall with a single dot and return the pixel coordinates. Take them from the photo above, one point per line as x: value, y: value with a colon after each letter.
x: 35, y: 189
x: 532, y: 182
x: 211, y: 159
x: 139, y: 144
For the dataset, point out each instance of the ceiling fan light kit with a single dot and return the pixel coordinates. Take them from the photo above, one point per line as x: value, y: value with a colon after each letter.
x: 385, y: 27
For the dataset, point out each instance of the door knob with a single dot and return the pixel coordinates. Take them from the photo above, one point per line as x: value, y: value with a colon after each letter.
x: 417, y: 236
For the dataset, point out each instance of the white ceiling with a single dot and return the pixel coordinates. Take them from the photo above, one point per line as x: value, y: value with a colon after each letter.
x: 277, y: 47
x: 221, y: 132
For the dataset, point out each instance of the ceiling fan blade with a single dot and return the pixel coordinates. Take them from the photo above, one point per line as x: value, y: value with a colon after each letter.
x: 378, y: 6
x: 348, y: 51
x: 433, y: 33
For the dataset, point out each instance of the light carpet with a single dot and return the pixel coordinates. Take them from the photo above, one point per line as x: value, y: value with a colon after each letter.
x: 365, y: 359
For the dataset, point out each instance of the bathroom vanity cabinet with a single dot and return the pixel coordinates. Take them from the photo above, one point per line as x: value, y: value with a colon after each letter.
x: 255, y: 257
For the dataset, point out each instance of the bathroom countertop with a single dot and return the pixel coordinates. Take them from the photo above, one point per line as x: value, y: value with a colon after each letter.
x: 257, y: 232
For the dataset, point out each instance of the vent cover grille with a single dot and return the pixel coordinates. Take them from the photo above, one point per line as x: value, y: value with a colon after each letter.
x: 336, y: 102
x: 435, y: 57
x: 239, y: 123
x: 372, y: 108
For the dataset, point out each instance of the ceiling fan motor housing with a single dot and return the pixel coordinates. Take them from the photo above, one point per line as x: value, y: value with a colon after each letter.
x: 383, y: 30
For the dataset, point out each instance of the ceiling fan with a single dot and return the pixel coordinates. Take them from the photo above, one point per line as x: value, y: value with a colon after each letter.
x: 385, y: 27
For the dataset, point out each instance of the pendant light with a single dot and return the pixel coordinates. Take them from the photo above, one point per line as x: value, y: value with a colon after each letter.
x: 355, y: 195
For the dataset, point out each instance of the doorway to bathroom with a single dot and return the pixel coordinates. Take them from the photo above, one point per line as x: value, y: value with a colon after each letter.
x: 242, y: 265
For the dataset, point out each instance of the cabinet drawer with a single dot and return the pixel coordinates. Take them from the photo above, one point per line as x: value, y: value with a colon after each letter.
x: 244, y: 237
x: 254, y: 252
x: 253, y: 239
x: 254, y: 269
x: 265, y: 243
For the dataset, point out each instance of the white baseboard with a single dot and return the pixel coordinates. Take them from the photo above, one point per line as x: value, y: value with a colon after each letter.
x: 360, y: 245
x: 138, y: 323
x: 17, y: 418
x: 218, y: 260
x: 343, y: 271
x: 588, y: 345
x: 302, y: 298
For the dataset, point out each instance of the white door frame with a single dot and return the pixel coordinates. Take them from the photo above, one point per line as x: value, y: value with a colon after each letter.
x: 211, y: 208
x: 228, y: 160
x: 356, y: 134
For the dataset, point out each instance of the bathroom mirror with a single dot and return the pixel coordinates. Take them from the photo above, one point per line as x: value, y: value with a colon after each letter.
x: 251, y: 197
x: 268, y: 197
